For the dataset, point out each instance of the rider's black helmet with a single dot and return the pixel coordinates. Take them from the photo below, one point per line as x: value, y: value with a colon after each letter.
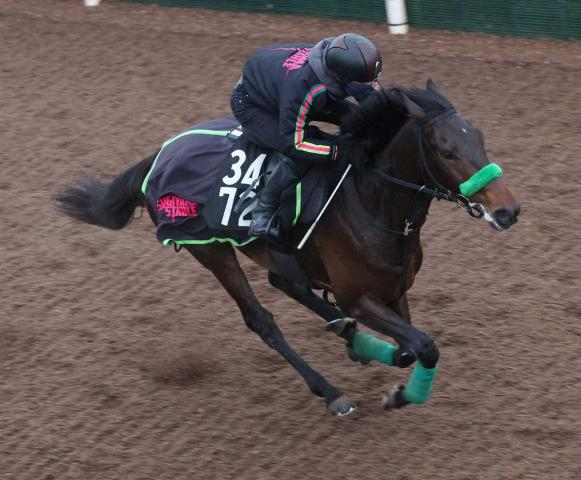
x: 353, y: 58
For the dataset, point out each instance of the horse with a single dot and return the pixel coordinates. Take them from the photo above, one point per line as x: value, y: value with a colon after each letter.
x: 366, y: 250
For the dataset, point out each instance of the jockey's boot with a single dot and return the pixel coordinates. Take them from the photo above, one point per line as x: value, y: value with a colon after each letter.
x: 264, y: 219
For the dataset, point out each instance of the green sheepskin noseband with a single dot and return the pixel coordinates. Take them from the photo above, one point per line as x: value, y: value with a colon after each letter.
x: 480, y: 179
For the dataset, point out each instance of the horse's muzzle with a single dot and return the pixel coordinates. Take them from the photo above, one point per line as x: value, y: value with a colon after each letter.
x: 505, y: 217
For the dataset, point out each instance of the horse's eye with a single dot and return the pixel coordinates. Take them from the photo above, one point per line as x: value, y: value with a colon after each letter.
x: 448, y: 155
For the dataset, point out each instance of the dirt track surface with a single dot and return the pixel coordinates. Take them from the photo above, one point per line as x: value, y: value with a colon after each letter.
x: 123, y: 360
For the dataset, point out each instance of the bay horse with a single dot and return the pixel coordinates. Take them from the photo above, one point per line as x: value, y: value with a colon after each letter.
x: 366, y: 250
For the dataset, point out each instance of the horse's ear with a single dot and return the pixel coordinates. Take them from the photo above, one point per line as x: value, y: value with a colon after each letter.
x: 432, y: 87
x: 412, y: 107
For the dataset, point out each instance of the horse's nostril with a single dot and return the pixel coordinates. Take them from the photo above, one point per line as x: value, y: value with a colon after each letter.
x: 505, y: 217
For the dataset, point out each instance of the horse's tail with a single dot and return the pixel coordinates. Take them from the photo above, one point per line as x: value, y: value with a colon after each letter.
x: 106, y: 204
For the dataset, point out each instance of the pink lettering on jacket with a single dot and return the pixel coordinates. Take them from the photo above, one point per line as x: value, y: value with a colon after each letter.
x: 297, y: 59
x: 174, y: 206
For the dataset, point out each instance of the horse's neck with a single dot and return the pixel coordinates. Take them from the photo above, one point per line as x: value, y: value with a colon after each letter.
x: 400, y: 158
x: 391, y: 205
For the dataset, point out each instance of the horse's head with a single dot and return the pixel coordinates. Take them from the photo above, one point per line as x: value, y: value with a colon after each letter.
x: 453, y: 157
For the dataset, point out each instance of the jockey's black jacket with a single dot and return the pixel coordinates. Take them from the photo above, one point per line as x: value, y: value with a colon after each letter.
x: 292, y: 84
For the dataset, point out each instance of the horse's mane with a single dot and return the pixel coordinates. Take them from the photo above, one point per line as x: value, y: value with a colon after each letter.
x: 382, y: 114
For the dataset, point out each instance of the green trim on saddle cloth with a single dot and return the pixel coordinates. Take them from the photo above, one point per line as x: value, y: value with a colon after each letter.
x: 419, y: 388
x: 370, y: 347
x: 219, y: 133
x: 480, y: 179
x: 168, y: 241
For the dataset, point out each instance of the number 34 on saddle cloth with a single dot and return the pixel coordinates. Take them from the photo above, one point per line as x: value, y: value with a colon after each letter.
x: 196, y: 181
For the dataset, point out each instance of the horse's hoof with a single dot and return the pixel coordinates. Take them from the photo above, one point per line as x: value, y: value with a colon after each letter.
x: 342, y: 406
x: 394, y: 399
x: 356, y: 358
x: 340, y: 325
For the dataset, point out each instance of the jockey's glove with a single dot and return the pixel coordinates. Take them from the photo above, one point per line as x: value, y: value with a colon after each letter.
x: 351, y: 151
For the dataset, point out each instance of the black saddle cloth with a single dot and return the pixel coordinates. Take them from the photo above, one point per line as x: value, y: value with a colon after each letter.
x: 197, y: 180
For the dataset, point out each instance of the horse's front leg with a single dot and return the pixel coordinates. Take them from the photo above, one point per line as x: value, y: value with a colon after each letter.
x: 393, y: 320
x: 221, y: 260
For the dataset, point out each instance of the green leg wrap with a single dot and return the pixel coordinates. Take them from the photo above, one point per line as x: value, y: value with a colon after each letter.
x: 419, y: 387
x: 368, y: 346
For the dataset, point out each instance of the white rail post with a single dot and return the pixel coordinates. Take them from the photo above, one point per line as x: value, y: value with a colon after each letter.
x: 397, y: 17
x: 92, y: 3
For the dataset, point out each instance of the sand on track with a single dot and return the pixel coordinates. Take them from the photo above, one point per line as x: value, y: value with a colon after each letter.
x: 123, y: 360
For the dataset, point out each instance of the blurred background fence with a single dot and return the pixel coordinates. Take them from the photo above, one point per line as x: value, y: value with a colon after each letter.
x: 559, y: 19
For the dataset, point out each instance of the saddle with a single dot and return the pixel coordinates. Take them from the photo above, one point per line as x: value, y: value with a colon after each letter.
x: 205, y: 182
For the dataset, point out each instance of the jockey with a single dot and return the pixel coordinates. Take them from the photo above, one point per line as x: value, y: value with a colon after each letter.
x: 282, y: 89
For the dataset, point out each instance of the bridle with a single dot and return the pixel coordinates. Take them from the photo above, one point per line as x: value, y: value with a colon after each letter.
x: 431, y: 187
x: 435, y: 189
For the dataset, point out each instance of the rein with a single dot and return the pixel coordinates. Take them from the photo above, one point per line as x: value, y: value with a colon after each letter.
x: 438, y: 191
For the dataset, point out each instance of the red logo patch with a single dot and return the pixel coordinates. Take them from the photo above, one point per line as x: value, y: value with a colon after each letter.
x: 174, y: 206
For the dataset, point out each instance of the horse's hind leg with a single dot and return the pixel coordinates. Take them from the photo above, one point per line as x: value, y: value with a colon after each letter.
x: 221, y: 260
x: 338, y: 322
